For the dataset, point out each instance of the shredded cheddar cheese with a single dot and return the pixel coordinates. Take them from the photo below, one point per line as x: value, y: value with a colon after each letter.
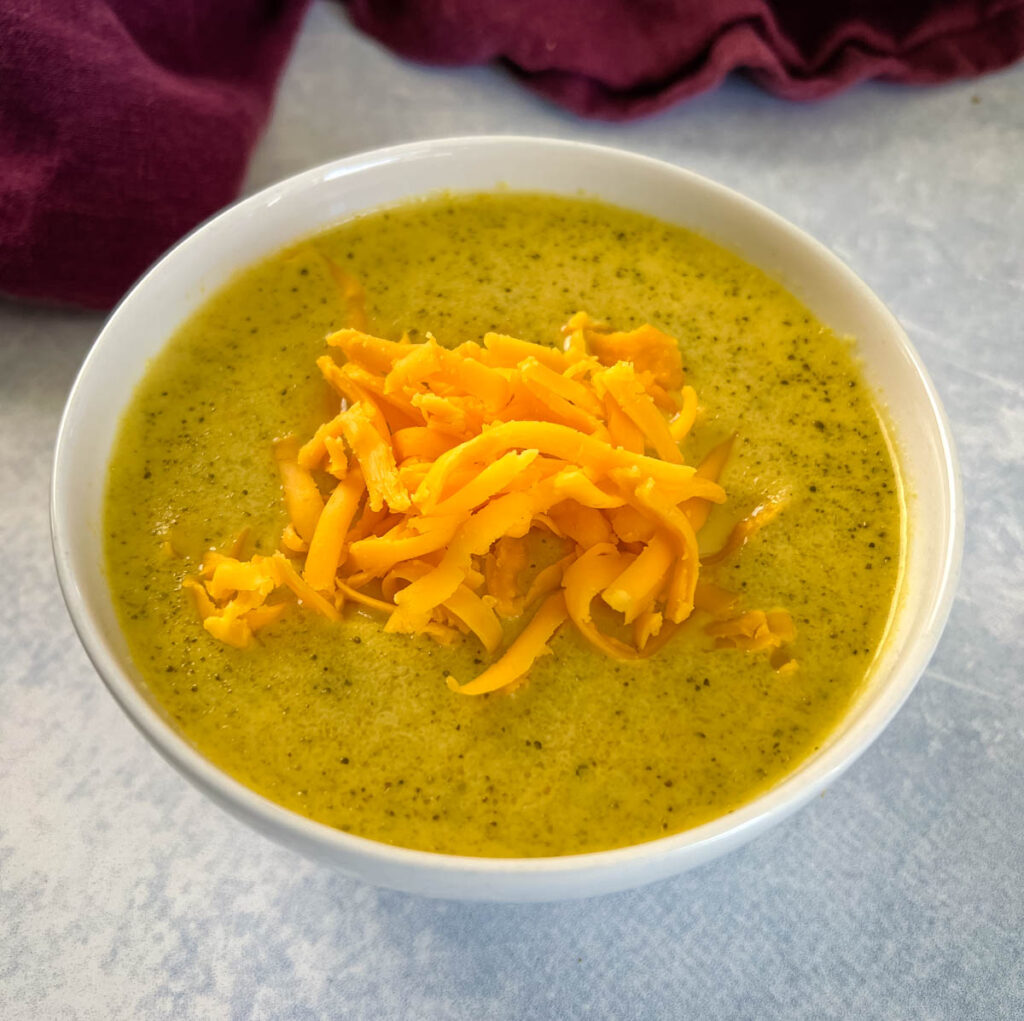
x: 418, y: 498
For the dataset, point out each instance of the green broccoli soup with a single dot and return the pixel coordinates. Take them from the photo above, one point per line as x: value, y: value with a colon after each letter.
x: 495, y: 450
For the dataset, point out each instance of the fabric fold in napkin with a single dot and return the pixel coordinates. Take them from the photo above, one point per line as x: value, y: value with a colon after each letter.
x: 124, y: 123
x: 619, y: 59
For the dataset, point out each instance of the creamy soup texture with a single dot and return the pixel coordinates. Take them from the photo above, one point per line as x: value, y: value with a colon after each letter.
x: 355, y: 727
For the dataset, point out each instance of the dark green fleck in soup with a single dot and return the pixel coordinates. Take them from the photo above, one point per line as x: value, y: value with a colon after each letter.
x: 355, y: 727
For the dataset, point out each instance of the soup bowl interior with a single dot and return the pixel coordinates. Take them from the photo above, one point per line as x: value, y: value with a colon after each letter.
x: 180, y: 282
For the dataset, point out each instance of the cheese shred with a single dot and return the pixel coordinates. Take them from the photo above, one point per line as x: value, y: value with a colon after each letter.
x: 419, y: 498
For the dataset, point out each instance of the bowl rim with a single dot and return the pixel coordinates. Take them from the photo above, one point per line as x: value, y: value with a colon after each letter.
x: 789, y: 793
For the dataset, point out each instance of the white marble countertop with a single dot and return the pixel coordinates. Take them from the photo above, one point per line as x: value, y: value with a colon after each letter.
x: 898, y: 894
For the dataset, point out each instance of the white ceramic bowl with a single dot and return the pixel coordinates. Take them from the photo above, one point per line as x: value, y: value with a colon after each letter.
x: 309, y: 202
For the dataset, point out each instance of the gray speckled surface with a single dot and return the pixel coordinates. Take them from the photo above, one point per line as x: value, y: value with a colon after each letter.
x: 898, y: 894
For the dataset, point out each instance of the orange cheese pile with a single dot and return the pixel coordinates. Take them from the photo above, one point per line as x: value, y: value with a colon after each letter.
x: 416, y: 499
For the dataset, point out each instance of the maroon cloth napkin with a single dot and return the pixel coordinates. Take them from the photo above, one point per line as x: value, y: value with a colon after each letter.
x: 619, y: 59
x: 123, y: 123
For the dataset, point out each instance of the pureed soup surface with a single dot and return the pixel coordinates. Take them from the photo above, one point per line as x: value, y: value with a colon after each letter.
x: 355, y: 727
